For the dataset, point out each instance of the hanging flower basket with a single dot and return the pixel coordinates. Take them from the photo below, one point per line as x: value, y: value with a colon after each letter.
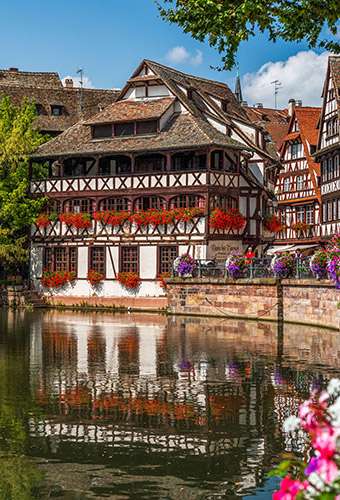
x: 57, y: 279
x: 282, y: 265
x: 301, y: 228
x: 94, y: 277
x: 42, y: 221
x: 333, y: 266
x: 185, y: 266
x: 129, y: 280
x: 77, y: 220
x: 230, y: 219
x: 318, y: 264
x: 235, y: 265
x: 272, y: 223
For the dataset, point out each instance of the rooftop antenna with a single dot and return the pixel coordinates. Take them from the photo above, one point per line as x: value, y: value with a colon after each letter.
x: 80, y: 72
x: 277, y: 86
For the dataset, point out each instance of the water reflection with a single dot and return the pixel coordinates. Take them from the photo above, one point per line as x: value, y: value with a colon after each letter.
x: 163, y: 406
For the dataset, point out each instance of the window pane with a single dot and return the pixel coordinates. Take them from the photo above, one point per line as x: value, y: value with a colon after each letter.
x: 100, y: 131
x: 167, y: 255
x: 129, y: 259
x: 60, y: 259
x: 97, y: 259
x: 122, y: 129
x: 73, y: 251
x: 147, y: 127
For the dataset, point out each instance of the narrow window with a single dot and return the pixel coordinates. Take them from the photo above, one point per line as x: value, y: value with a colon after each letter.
x: 60, y: 259
x: 56, y: 110
x: 129, y: 259
x: 146, y: 127
x: 299, y: 183
x: 286, y: 184
x: 124, y: 129
x: 101, y: 131
x: 166, y: 256
x: 97, y: 259
x: 309, y: 214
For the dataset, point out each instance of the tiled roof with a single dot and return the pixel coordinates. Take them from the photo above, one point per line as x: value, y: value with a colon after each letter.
x: 46, y: 89
x: 127, y: 110
x: 274, y: 121
x: 334, y: 62
x: 29, y: 79
x: 308, y: 119
x: 182, y: 131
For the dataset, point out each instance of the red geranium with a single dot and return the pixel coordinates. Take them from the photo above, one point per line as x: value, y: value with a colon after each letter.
x: 161, y: 279
x: 57, y: 279
x: 230, y: 219
x: 42, y: 220
x: 77, y: 220
x: 94, y: 277
x: 111, y: 218
x: 273, y: 224
x: 129, y: 280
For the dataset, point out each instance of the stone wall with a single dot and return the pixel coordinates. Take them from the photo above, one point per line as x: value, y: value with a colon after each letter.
x: 304, y: 301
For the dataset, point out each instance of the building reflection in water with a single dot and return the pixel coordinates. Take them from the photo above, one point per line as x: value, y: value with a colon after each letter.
x: 211, y: 389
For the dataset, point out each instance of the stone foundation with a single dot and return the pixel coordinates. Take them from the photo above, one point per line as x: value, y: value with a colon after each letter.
x: 144, y: 303
x: 297, y: 301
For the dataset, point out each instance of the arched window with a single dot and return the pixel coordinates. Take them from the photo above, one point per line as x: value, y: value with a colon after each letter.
x: 53, y: 206
x: 115, y: 204
x: 187, y: 201
x: 150, y: 163
x: 79, y: 205
x: 149, y: 202
x: 111, y: 165
x: 223, y: 202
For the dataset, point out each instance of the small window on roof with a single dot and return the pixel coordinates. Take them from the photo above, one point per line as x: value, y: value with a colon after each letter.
x: 56, y: 109
x: 101, y: 131
x: 127, y: 128
x: 146, y: 127
x: 39, y: 109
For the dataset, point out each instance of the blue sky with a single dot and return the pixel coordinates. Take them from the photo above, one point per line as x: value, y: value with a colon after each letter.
x: 108, y: 38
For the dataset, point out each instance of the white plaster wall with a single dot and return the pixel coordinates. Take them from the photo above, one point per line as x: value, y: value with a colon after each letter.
x: 166, y: 117
x: 158, y: 90
x: 218, y: 125
x: 148, y: 262
x: 112, y: 261
x: 83, y: 256
x: 243, y: 205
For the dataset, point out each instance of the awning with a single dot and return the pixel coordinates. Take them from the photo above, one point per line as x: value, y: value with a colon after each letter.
x: 279, y: 249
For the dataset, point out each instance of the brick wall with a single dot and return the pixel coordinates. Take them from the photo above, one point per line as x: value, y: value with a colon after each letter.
x: 304, y: 301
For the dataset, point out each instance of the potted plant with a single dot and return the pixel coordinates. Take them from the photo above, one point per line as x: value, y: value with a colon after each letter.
x: 94, y: 277
x: 129, y: 280
x: 282, y: 265
x: 185, y: 266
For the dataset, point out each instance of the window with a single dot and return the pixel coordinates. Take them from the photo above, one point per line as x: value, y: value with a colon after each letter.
x: 81, y: 205
x: 166, y: 256
x: 335, y: 209
x: 149, y: 202
x: 330, y: 169
x: 101, y: 131
x: 146, y: 127
x: 299, y: 183
x: 324, y: 212
x: 329, y: 211
x: 332, y: 127
x: 187, y: 201
x: 217, y: 160
x: 149, y: 163
x: 97, y: 259
x: 60, y: 259
x: 56, y: 109
x: 309, y: 214
x: 129, y: 259
x: 295, y: 150
x: 123, y: 129
x: 39, y: 109
x: 115, y: 204
x: 300, y: 214
x: 336, y: 166
x: 286, y: 184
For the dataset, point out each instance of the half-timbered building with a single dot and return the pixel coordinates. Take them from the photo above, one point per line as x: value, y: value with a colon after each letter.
x: 171, y: 141
x: 297, y: 188
x: 328, y: 150
x: 58, y: 105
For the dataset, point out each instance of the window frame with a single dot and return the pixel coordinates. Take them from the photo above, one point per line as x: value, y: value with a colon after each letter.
x: 159, y: 257
x: 68, y: 259
x: 122, y: 268
x: 91, y: 260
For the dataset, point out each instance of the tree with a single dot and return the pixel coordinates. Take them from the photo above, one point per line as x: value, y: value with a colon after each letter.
x: 227, y: 23
x: 18, y: 139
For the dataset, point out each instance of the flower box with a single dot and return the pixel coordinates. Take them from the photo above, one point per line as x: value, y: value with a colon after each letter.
x: 229, y: 219
x: 129, y: 280
x: 57, y: 279
x: 94, y: 277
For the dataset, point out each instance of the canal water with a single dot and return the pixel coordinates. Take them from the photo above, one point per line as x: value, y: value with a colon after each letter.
x: 96, y: 405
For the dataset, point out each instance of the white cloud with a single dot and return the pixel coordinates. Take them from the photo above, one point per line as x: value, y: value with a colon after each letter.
x: 180, y: 55
x: 76, y: 81
x: 302, y: 77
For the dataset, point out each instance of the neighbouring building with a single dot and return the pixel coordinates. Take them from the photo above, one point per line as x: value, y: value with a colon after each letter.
x: 297, y: 188
x: 58, y: 106
x: 170, y: 142
x: 328, y: 150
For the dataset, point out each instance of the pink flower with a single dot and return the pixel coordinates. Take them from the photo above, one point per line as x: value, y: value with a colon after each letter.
x: 312, y: 413
x: 289, y: 488
x: 324, y: 441
x: 327, y: 470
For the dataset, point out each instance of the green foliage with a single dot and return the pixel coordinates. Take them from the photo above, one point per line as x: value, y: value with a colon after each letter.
x: 227, y: 23
x: 18, y: 139
x: 19, y: 479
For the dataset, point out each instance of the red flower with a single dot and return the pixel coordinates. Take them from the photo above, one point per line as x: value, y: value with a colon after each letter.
x: 42, y: 220
x: 77, y: 220
x: 230, y: 219
x: 129, y: 280
x: 161, y: 279
x: 273, y: 224
x: 111, y: 218
x: 57, y: 279
x: 94, y: 277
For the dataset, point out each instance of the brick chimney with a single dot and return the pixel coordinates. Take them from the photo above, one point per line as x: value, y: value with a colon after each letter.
x: 69, y: 83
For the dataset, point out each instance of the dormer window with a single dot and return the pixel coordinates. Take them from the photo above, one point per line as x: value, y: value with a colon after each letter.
x: 102, y: 131
x: 124, y: 129
x: 143, y: 127
x: 56, y: 109
x: 146, y: 127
